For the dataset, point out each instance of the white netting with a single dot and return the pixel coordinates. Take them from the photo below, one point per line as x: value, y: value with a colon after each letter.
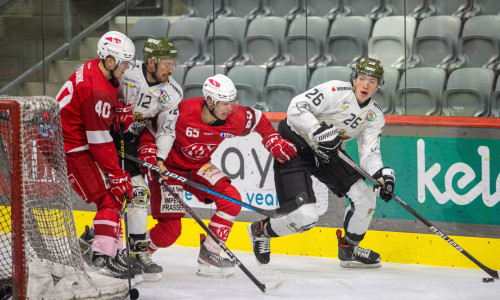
x: 49, y: 227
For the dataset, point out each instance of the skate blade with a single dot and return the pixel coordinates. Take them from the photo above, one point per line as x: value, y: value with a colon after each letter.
x: 357, y: 264
x: 205, y: 270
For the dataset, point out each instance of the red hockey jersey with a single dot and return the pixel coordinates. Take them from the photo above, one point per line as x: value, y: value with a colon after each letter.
x: 195, y: 141
x: 87, y: 102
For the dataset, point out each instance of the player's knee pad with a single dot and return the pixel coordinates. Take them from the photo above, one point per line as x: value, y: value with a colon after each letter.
x: 302, y: 219
x: 362, y: 197
x: 165, y: 232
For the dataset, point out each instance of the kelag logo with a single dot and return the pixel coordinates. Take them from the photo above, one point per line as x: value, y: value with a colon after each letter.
x: 476, y: 183
x: 444, y: 179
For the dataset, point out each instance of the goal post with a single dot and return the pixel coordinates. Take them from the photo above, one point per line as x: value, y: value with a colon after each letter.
x: 39, y: 250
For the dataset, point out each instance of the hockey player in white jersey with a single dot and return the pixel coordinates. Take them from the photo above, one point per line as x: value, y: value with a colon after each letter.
x: 151, y: 96
x: 318, y: 121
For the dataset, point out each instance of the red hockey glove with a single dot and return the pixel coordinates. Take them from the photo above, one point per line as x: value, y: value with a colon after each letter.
x: 147, y: 153
x: 282, y: 150
x: 121, y: 186
x: 123, y: 116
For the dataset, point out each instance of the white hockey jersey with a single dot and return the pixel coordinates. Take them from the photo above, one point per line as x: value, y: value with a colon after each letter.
x: 334, y: 102
x: 148, y: 102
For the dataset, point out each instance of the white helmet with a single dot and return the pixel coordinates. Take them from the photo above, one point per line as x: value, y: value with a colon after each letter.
x: 220, y: 88
x: 116, y: 44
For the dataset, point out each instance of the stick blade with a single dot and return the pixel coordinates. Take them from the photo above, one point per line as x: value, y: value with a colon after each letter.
x: 274, y: 285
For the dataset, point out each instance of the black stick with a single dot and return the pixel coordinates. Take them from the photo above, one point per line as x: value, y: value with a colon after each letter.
x: 265, y: 288
x: 265, y: 212
x: 432, y: 228
x: 133, y: 293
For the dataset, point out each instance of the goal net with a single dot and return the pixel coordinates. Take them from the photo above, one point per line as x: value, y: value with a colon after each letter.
x: 39, y: 252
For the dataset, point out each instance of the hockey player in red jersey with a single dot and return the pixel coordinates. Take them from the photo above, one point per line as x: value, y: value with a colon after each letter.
x: 87, y: 102
x: 203, y: 124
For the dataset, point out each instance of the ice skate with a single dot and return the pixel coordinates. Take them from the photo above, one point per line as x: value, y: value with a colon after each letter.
x: 142, y: 259
x: 85, y: 241
x: 211, y: 264
x: 121, y: 260
x: 351, y: 256
x: 260, y: 243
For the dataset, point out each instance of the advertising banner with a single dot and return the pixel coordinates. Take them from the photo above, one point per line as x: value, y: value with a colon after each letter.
x: 444, y: 179
x: 250, y: 167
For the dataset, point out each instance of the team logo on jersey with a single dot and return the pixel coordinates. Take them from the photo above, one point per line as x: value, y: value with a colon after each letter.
x: 226, y: 135
x: 346, y: 105
x: 130, y: 86
x: 371, y: 116
x: 198, y: 151
x: 164, y: 97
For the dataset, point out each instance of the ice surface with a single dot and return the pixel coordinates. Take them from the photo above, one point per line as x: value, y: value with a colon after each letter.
x: 314, y: 278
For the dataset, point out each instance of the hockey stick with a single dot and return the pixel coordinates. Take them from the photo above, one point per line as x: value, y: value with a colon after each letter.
x: 265, y: 212
x: 265, y: 288
x: 432, y: 228
x: 133, y: 292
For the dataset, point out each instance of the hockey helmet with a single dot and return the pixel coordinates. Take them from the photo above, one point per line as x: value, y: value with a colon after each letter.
x: 220, y: 88
x: 158, y: 47
x: 117, y: 45
x: 370, y: 67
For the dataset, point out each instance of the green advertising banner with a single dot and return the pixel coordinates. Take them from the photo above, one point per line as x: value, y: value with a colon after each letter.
x: 444, y: 179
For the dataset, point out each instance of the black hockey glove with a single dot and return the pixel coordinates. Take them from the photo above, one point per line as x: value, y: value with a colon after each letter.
x: 328, y: 143
x: 387, y: 180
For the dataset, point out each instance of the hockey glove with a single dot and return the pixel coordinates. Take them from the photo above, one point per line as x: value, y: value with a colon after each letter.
x: 121, y: 186
x: 123, y: 116
x: 328, y: 143
x: 387, y: 180
x: 147, y: 153
x: 282, y: 150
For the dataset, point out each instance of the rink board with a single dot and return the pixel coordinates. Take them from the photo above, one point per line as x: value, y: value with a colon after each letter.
x: 394, y: 247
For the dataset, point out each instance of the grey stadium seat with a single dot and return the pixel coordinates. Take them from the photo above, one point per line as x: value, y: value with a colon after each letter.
x: 249, y: 9
x: 284, y: 83
x: 436, y: 42
x: 249, y: 82
x: 479, y: 44
x: 204, y: 9
x: 196, y: 76
x: 389, y: 43
x: 145, y: 28
x: 187, y: 35
x: 419, y: 92
x: 263, y: 44
x: 385, y: 93
x: 297, y: 44
x: 374, y: 9
x: 325, y: 74
x: 495, y: 100
x: 225, y: 47
x: 468, y: 92
x: 488, y: 7
x: 156, y: 27
x: 288, y: 9
x: 179, y: 74
x: 347, y: 41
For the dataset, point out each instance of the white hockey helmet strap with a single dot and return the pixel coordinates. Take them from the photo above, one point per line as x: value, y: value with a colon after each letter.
x: 219, y: 88
x: 117, y: 45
